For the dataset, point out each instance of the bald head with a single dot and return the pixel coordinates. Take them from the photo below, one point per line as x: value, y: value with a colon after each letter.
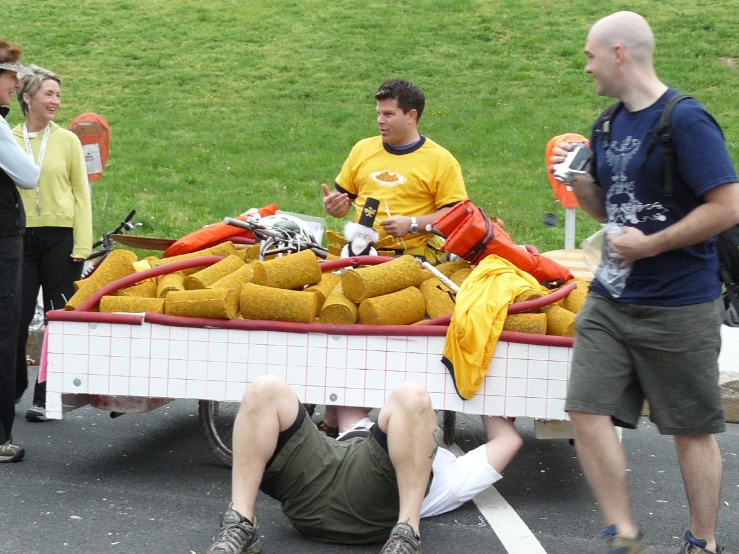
x: 628, y: 29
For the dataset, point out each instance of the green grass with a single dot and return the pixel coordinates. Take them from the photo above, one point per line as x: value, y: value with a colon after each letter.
x: 219, y: 106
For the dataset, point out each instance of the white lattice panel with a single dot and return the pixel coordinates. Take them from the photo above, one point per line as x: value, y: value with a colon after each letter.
x: 160, y: 361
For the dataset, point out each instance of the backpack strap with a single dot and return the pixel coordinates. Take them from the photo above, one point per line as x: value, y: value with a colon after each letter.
x: 602, y: 127
x: 661, y: 135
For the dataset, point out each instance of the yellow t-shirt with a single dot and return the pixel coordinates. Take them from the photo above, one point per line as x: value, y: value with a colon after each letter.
x: 418, y: 181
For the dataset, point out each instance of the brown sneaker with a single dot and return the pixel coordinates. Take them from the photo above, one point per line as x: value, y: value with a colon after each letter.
x: 616, y: 544
x: 403, y: 540
x: 10, y: 453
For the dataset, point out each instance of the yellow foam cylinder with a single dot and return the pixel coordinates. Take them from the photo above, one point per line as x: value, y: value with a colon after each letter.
x: 145, y: 289
x: 260, y: 302
x: 460, y: 275
x: 560, y: 322
x: 449, y: 268
x: 170, y: 282
x: 338, y: 309
x: 236, y: 280
x: 526, y: 323
x: 208, y: 303
x: 288, y: 272
x: 378, y: 280
x: 131, y: 304
x: 436, y: 297
x: 574, y: 301
x: 397, y: 308
x: 252, y: 252
x: 241, y: 252
x: 323, y: 289
x: 209, y: 275
x: 118, y: 264
x: 528, y: 294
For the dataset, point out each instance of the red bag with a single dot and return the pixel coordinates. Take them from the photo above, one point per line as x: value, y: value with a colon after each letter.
x: 471, y: 235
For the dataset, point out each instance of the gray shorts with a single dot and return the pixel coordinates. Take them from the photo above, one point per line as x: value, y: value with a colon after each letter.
x: 625, y: 352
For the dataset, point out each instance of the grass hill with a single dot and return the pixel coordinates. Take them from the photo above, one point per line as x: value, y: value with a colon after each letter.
x: 219, y: 106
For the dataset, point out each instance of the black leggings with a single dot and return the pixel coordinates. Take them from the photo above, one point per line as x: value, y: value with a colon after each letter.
x: 46, y: 263
x: 11, y: 260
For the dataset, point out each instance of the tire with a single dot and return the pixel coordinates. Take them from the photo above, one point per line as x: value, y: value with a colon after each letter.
x: 217, y: 421
x: 450, y: 427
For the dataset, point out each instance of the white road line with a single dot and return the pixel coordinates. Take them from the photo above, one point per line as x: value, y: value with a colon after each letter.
x: 503, y: 519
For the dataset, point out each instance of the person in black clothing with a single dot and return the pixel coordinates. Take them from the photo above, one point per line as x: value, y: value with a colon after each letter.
x: 17, y: 169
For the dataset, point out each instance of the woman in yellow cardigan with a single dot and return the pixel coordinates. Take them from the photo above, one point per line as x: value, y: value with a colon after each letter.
x: 58, y: 214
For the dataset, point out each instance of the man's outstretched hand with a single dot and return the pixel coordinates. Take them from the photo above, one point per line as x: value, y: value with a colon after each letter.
x: 335, y: 203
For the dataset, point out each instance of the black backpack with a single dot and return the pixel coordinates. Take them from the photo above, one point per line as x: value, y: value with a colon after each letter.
x: 727, y: 242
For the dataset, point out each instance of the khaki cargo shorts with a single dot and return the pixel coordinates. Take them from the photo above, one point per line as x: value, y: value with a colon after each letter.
x: 331, y: 491
x: 625, y: 352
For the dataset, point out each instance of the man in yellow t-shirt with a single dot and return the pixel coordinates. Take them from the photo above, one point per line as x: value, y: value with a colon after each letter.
x: 415, y: 179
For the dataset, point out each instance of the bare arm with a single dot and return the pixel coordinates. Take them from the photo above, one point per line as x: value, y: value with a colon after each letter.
x: 591, y: 198
x: 719, y: 211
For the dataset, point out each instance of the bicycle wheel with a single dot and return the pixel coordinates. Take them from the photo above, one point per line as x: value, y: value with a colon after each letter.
x: 217, y: 423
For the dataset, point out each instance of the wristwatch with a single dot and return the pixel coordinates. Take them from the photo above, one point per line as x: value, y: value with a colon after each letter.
x: 413, y: 229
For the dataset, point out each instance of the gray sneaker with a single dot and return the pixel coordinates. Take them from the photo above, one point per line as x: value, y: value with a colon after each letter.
x: 37, y: 413
x: 403, y: 540
x: 11, y: 452
x: 236, y: 536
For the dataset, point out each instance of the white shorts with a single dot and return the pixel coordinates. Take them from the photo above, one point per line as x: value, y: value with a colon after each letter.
x: 457, y: 480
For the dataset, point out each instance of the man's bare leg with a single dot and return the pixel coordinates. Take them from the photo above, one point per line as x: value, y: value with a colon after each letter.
x: 604, y: 464
x: 701, y: 466
x: 269, y: 407
x: 504, y: 442
x: 413, y: 438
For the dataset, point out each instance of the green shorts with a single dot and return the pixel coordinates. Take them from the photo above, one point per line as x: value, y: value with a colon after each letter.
x: 625, y: 352
x: 331, y: 491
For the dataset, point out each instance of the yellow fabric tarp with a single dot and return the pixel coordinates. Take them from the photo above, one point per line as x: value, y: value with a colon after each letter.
x: 480, y: 312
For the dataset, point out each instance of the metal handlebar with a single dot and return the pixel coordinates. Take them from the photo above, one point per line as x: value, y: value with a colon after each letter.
x: 277, y: 240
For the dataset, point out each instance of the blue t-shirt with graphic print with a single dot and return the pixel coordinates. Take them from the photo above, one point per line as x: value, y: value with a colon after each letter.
x: 635, y: 197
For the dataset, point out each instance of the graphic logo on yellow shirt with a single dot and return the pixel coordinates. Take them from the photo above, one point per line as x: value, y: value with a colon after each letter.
x: 387, y: 178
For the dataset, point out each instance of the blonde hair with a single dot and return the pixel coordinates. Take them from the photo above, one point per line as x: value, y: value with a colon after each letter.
x: 31, y: 82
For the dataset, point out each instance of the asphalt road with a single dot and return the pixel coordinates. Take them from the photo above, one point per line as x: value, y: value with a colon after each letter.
x: 148, y: 483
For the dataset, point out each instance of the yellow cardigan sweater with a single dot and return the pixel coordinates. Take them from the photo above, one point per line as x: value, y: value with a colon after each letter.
x: 64, y: 193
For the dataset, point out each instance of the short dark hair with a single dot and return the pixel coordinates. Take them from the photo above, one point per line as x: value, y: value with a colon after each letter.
x: 409, y: 95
